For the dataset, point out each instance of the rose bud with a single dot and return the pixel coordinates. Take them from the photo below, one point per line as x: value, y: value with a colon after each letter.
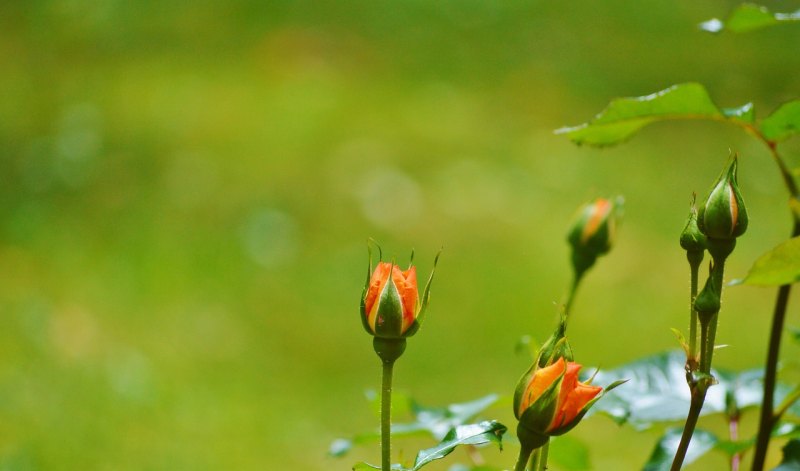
x: 551, y: 400
x: 723, y: 215
x: 390, y: 305
x: 592, y: 233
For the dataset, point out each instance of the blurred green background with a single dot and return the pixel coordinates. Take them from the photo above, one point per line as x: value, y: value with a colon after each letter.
x: 186, y: 191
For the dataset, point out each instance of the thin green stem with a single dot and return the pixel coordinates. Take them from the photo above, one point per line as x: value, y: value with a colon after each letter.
x: 696, y: 405
x: 524, y: 457
x: 386, y: 416
x: 541, y: 464
x: 704, y: 364
x: 573, y: 289
x: 787, y: 402
x: 693, y: 313
x: 699, y: 386
x: 709, y: 347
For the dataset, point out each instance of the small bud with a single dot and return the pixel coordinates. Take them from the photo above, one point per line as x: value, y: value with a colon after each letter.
x: 593, y: 232
x: 707, y: 303
x: 723, y: 215
x: 692, y: 240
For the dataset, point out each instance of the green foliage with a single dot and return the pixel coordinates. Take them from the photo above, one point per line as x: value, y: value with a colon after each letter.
x: 791, y: 457
x: 779, y: 266
x: 749, y: 17
x: 661, y: 458
x: 783, y: 123
x: 433, y: 421
x: 656, y: 391
x: 623, y: 117
x: 473, y: 434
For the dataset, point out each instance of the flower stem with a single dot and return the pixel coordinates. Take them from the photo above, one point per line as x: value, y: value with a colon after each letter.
x: 767, y: 419
x: 524, y: 457
x: 573, y: 288
x: 694, y: 268
x: 708, y: 330
x: 696, y: 405
x: 386, y: 416
x: 541, y: 464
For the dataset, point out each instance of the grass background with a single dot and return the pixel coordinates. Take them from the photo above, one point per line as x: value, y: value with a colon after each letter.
x: 186, y: 190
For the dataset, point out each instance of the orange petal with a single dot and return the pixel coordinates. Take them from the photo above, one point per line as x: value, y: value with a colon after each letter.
x: 408, y: 293
x: 540, y: 381
x: 600, y: 210
x: 376, y: 283
x: 574, y: 403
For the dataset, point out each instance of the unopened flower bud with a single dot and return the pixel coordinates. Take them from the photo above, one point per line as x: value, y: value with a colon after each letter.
x: 707, y: 303
x: 723, y: 215
x: 593, y: 232
x: 692, y: 239
x: 551, y: 401
x: 391, y: 307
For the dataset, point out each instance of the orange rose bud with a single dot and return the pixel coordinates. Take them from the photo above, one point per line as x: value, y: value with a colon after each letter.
x: 592, y: 234
x: 391, y: 307
x: 392, y: 301
x: 551, y: 401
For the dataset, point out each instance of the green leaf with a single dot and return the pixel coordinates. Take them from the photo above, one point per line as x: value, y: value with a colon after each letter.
x: 474, y: 434
x: 791, y: 457
x: 364, y: 465
x: 569, y: 454
x: 656, y: 391
x: 623, y: 117
x: 661, y: 458
x: 748, y: 17
x: 779, y: 266
x: 433, y: 421
x: 783, y: 123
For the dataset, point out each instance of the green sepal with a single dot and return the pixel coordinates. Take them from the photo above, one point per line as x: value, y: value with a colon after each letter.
x: 539, y: 414
x: 426, y: 297
x: 522, y: 385
x: 364, y: 320
x: 557, y: 346
x: 389, y: 318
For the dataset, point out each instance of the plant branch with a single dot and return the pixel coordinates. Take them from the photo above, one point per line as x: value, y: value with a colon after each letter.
x: 768, y: 417
x: 386, y: 416
x: 696, y: 405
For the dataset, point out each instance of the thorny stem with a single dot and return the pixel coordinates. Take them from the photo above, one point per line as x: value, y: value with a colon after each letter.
x: 699, y: 387
x: 768, y: 418
x: 696, y: 405
x: 386, y: 416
